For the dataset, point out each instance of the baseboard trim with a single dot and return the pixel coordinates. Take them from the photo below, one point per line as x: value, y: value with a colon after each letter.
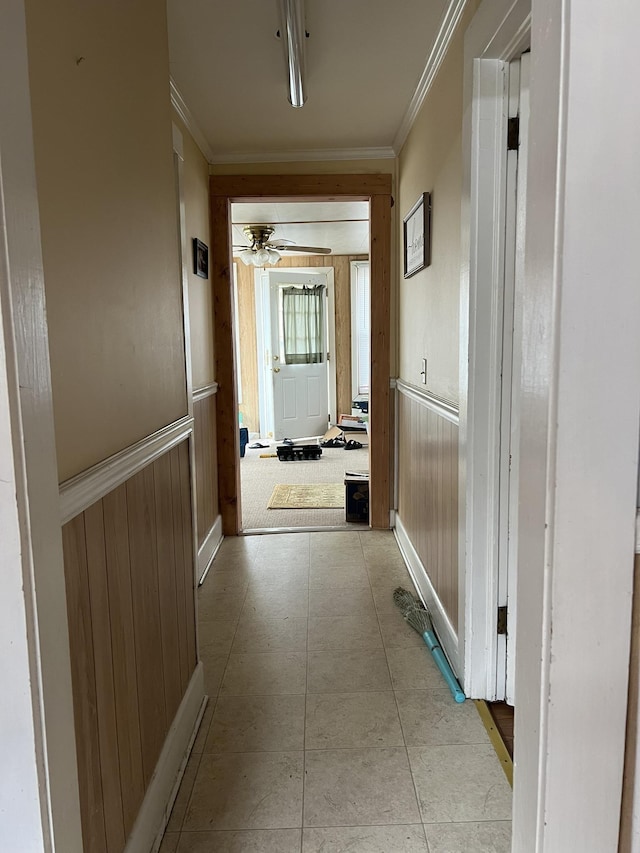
x: 447, y: 410
x: 154, y: 813
x: 205, y: 391
x: 91, y: 485
x: 441, y: 622
x: 209, y: 548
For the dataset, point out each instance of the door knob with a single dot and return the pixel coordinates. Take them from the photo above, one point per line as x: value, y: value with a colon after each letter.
x: 276, y: 370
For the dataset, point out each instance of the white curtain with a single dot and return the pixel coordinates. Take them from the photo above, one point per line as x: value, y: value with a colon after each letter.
x: 303, y: 319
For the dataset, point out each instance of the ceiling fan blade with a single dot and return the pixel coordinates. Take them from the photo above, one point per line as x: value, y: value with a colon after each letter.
x: 283, y: 247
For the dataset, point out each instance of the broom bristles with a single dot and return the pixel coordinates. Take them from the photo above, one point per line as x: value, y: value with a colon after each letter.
x: 419, y: 619
x: 404, y: 599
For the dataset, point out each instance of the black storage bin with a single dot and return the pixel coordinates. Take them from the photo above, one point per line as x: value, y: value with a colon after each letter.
x: 356, y: 499
x: 244, y: 439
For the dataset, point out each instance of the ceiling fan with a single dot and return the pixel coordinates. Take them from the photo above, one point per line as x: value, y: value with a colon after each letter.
x: 263, y: 250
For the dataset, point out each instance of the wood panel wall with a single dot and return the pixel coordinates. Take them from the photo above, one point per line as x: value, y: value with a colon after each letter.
x: 206, y: 474
x: 428, y: 494
x: 631, y: 782
x: 247, y: 324
x: 130, y: 592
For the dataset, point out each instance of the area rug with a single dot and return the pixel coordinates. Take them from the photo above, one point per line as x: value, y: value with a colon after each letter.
x: 298, y: 496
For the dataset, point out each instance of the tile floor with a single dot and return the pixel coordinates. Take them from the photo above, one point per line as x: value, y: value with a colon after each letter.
x: 328, y: 726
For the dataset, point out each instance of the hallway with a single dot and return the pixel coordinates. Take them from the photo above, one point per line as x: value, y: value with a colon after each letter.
x: 326, y: 712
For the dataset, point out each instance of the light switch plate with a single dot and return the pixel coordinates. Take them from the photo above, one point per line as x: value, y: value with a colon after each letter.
x: 423, y: 372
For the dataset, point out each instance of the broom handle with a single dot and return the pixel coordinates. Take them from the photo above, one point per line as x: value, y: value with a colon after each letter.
x: 443, y: 665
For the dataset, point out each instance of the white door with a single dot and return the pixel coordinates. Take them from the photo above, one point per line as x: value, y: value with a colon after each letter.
x: 511, y: 368
x: 298, y: 311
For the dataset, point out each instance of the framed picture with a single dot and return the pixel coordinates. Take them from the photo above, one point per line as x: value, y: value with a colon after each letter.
x: 200, y: 258
x: 417, y: 236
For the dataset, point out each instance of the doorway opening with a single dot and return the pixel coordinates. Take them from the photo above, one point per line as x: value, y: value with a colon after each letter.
x: 302, y: 346
x: 372, y: 188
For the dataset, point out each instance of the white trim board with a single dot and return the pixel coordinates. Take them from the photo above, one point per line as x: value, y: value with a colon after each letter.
x: 446, y: 410
x: 205, y: 391
x: 448, y: 25
x: 86, y: 488
x: 490, y: 41
x: 155, y: 810
x: 304, y: 155
x: 180, y: 106
x: 422, y: 582
x: 209, y: 549
x: 39, y: 784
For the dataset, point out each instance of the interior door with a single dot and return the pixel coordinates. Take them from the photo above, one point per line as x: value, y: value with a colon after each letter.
x: 298, y: 310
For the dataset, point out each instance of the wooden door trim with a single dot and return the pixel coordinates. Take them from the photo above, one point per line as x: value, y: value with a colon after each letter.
x: 376, y: 189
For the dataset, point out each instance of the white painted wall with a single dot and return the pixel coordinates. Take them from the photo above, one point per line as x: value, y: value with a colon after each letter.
x: 581, y: 390
x: 39, y: 804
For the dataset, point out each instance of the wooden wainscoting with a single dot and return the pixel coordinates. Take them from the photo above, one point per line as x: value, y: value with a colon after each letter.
x: 428, y: 493
x: 206, y: 466
x: 131, y: 610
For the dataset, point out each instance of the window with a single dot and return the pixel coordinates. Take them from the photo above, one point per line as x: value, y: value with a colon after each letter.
x: 360, y: 332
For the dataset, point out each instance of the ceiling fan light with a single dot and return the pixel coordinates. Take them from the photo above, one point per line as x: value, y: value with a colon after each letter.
x: 246, y: 257
x: 274, y: 256
x: 261, y: 257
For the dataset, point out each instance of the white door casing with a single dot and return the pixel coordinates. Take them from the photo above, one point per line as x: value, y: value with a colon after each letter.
x: 39, y: 792
x: 494, y: 38
x: 300, y: 391
x: 516, y: 380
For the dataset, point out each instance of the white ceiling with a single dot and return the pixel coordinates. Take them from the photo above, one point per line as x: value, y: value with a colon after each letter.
x: 364, y: 61
x: 342, y: 227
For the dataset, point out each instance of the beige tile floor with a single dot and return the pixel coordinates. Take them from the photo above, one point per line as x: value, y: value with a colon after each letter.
x: 328, y: 727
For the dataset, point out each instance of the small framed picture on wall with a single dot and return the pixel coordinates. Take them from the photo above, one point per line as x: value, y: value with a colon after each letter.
x: 200, y: 258
x: 417, y: 236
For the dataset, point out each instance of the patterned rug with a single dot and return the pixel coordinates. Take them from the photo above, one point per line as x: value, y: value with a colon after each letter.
x: 299, y: 496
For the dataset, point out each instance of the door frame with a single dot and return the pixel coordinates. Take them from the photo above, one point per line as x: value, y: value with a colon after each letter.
x: 41, y: 796
x: 493, y: 39
x: 374, y: 188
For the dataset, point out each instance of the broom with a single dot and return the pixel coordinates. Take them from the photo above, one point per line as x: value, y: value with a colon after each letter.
x: 420, y: 620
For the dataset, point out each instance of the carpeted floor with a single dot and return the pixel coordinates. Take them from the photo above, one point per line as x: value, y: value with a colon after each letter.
x: 259, y: 476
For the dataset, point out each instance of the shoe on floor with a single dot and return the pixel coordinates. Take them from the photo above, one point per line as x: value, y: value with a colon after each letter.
x: 352, y: 444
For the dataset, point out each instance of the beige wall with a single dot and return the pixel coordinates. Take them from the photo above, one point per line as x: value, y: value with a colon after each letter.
x: 102, y: 133
x: 196, y: 202
x: 314, y: 167
x: 431, y: 161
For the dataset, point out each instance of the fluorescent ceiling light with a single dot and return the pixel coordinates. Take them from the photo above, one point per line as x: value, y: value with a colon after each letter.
x: 292, y: 34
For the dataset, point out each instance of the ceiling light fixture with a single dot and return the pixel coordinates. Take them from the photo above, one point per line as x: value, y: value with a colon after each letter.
x: 292, y: 33
x: 259, y: 257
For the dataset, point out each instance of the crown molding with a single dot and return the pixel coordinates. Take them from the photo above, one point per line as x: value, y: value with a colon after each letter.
x: 440, y: 47
x: 180, y: 106
x: 310, y: 155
